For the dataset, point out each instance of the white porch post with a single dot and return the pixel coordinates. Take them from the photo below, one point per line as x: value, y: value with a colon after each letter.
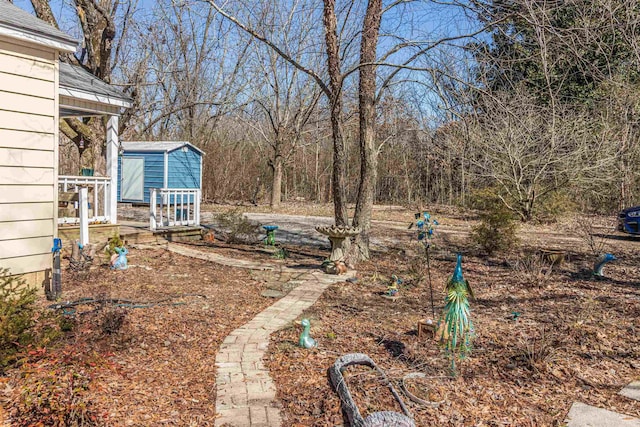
x: 152, y: 209
x: 197, y: 206
x: 113, y: 146
x: 84, y: 215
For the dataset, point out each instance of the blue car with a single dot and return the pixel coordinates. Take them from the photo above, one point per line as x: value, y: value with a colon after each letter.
x: 629, y: 220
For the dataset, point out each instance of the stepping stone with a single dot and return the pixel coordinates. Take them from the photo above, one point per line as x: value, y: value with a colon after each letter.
x: 272, y: 293
x: 632, y: 391
x: 582, y: 415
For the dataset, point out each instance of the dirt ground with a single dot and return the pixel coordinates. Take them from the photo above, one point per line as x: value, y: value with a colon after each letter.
x: 544, y: 339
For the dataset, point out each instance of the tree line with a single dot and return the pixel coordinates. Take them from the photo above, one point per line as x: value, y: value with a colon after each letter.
x: 395, y: 101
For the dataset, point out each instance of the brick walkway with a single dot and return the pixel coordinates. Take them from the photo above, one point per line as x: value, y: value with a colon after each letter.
x: 218, y: 259
x: 246, y: 395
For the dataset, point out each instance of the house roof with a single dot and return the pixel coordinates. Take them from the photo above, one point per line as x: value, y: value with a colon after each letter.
x: 76, y: 82
x: 19, y: 24
x: 157, y: 146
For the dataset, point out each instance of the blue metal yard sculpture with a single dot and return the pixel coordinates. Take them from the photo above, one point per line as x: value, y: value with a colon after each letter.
x: 426, y: 228
x: 270, y: 240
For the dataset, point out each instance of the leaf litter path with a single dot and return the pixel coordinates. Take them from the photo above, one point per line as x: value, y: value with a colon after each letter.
x: 246, y: 394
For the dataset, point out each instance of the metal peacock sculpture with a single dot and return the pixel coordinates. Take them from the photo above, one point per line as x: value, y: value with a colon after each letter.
x: 457, y: 331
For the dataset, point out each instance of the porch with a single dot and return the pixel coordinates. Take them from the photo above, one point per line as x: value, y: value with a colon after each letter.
x: 87, y: 208
x: 86, y: 214
x: 88, y: 205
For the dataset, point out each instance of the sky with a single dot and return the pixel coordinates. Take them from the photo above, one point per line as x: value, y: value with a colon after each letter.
x: 410, y: 22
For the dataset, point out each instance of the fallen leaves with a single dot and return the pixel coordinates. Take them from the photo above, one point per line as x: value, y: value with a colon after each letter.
x: 523, y: 371
x: 158, y: 368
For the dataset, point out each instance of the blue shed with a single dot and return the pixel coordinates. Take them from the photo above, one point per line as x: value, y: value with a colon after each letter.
x: 162, y: 164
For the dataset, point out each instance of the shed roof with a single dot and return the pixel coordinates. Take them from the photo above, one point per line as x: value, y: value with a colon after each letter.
x: 157, y: 146
x: 19, y: 24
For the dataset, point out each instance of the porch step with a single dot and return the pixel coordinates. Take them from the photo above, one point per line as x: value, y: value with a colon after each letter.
x: 138, y: 233
x: 180, y: 234
x: 98, y: 234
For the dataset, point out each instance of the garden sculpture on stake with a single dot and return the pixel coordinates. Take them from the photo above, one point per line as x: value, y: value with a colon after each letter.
x: 456, y: 332
x: 56, y: 281
x: 426, y: 228
x: 270, y: 240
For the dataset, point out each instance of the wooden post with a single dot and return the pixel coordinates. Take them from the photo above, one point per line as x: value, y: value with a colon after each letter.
x: 113, y: 145
x: 84, y: 215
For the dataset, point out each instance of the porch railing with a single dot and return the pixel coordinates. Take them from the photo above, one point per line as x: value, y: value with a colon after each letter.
x: 169, y: 207
x: 98, y: 191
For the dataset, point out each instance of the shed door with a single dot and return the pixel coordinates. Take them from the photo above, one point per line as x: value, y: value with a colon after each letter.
x: 132, y: 178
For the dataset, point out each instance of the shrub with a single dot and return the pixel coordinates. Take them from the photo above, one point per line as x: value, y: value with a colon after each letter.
x: 497, y: 229
x: 114, y: 242
x: 236, y: 227
x: 17, y: 313
x: 53, y: 392
x: 281, y: 253
x: 585, y: 228
x: 537, y: 352
x: 112, y: 319
x: 555, y: 205
x: 533, y: 270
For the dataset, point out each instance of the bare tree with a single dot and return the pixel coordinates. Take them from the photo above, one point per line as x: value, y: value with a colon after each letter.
x: 286, y: 115
x: 339, y: 40
x: 331, y: 89
x: 529, y: 155
x: 98, y: 20
x: 194, y: 71
x: 284, y: 98
x: 367, y: 137
x: 552, y: 78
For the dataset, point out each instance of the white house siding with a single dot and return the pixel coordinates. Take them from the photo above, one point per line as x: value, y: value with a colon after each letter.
x: 28, y: 150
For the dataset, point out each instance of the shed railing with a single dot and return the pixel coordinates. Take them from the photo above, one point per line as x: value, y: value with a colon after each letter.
x: 98, y: 192
x: 170, y: 207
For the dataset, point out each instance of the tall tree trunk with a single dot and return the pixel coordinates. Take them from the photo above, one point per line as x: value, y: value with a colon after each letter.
x: 316, y: 172
x: 367, y: 135
x: 276, y: 187
x: 407, y: 178
x: 335, y: 101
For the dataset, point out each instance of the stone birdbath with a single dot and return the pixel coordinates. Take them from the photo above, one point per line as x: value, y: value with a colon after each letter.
x: 337, y: 235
